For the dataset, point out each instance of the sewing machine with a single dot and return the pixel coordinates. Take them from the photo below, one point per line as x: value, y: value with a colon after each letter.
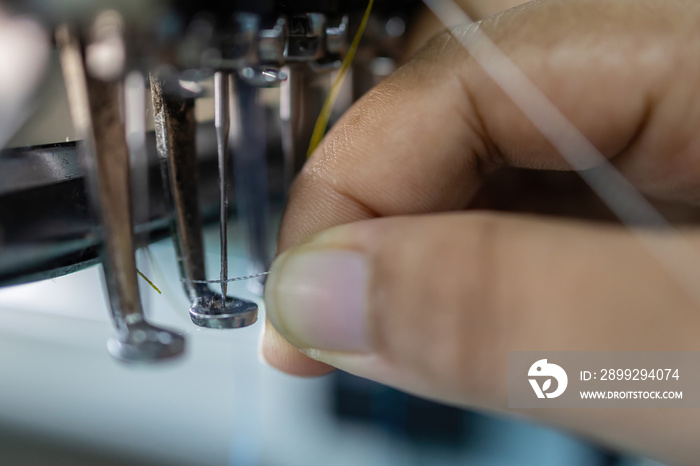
x: 121, y: 185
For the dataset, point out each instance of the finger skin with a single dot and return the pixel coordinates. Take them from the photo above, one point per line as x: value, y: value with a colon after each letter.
x: 624, y: 73
x: 277, y: 352
x: 426, y: 25
x: 450, y: 295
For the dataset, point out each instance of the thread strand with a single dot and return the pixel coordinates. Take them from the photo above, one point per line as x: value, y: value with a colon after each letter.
x: 235, y: 279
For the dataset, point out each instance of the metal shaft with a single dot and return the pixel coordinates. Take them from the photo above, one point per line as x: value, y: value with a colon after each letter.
x: 95, y: 107
x: 175, y: 126
x: 222, y: 122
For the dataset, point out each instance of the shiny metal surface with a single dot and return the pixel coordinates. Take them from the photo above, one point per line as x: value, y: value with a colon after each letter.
x: 43, y: 166
x: 95, y: 107
x: 222, y: 122
x: 175, y: 136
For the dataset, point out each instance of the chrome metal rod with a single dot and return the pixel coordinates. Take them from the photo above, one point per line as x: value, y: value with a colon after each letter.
x: 96, y: 109
x: 222, y: 122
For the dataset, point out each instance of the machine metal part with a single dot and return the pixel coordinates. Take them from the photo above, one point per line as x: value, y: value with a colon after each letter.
x: 95, y: 107
x: 175, y: 136
x: 250, y: 172
x: 222, y: 123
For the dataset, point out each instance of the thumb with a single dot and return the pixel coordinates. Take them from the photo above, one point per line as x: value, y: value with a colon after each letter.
x: 440, y: 298
x: 433, y: 304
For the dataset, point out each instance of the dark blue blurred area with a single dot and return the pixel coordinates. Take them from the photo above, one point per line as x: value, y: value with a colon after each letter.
x: 435, y: 427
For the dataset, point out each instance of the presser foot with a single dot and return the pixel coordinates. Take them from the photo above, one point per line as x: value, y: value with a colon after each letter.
x: 210, y: 311
x: 143, y: 342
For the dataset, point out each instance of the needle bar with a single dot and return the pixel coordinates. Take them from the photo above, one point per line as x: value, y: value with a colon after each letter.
x: 222, y: 122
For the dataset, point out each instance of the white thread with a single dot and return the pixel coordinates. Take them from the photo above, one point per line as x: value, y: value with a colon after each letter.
x: 236, y: 279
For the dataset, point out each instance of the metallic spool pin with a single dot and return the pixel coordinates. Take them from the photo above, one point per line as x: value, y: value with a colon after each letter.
x: 95, y: 108
x: 175, y: 139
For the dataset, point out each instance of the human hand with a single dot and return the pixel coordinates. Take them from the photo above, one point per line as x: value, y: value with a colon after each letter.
x: 432, y: 302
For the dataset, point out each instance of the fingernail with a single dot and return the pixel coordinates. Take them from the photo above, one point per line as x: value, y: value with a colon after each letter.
x: 317, y: 299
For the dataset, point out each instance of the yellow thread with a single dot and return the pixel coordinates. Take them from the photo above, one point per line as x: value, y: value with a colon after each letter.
x: 175, y: 303
x: 148, y: 281
x: 322, y: 122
